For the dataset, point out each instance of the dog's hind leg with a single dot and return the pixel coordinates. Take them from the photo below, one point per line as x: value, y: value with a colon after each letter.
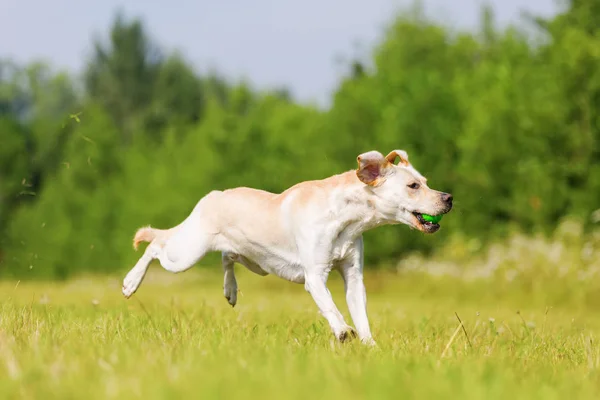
x: 230, y: 287
x: 229, y: 282
x: 184, y: 247
x: 177, y: 249
x: 135, y: 277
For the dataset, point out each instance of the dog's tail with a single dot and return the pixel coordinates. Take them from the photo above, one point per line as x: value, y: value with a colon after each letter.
x: 145, y: 234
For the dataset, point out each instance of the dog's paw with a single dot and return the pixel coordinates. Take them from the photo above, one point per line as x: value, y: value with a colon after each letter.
x: 131, y: 282
x: 230, y: 293
x: 369, y: 342
x: 346, y: 335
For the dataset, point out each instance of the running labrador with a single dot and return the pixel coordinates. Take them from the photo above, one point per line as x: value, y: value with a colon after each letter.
x: 301, y: 234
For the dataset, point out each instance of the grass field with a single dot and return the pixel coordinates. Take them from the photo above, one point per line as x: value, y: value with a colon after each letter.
x: 178, y: 338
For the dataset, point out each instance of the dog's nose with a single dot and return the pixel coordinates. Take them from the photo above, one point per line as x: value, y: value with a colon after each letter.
x: 447, y: 198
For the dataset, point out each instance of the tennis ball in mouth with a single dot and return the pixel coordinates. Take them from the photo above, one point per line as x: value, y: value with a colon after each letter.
x: 434, y: 219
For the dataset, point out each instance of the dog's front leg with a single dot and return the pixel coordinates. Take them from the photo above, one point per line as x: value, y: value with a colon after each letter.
x: 356, y: 295
x: 315, y: 284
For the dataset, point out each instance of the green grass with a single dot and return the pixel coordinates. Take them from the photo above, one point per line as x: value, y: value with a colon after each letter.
x: 178, y: 338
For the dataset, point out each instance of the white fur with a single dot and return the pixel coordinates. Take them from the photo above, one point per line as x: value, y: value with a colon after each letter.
x: 299, y: 235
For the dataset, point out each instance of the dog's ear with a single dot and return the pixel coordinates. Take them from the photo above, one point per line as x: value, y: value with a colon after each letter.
x: 371, y: 167
x: 401, y: 154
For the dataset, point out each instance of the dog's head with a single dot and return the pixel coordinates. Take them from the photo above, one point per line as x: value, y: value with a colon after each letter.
x: 399, y: 192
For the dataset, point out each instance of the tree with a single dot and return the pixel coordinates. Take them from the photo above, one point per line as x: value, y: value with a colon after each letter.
x: 35, y: 104
x: 121, y: 74
x: 142, y: 89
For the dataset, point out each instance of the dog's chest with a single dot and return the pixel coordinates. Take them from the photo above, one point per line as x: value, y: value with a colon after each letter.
x: 343, y: 248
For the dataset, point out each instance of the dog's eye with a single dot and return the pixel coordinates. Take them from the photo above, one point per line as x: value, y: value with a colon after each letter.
x: 414, y: 185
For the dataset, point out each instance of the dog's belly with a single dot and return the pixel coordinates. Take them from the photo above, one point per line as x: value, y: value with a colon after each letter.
x: 264, y: 260
x: 281, y: 267
x: 290, y: 272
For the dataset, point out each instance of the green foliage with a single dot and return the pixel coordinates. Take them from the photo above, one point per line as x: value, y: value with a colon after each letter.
x: 143, y: 90
x: 121, y: 74
x: 34, y: 105
x: 13, y: 166
x: 59, y: 230
x: 504, y: 120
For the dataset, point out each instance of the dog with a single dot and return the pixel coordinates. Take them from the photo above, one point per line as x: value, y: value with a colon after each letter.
x: 301, y: 234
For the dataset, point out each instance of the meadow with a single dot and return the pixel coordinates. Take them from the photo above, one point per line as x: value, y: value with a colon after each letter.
x: 177, y: 337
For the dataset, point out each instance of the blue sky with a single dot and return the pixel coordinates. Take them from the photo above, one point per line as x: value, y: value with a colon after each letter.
x: 291, y: 43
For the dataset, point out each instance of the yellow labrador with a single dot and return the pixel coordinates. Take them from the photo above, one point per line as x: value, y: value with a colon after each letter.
x: 301, y: 234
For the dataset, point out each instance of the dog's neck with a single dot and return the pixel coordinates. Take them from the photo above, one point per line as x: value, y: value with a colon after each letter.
x: 358, y: 208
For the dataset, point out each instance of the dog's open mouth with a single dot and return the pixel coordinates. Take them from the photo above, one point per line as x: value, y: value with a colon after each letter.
x: 426, y: 226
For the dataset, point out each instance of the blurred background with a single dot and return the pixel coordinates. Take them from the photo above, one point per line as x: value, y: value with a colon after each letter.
x: 115, y: 115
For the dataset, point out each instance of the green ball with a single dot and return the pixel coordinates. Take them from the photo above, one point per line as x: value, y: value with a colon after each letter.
x: 431, y: 218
